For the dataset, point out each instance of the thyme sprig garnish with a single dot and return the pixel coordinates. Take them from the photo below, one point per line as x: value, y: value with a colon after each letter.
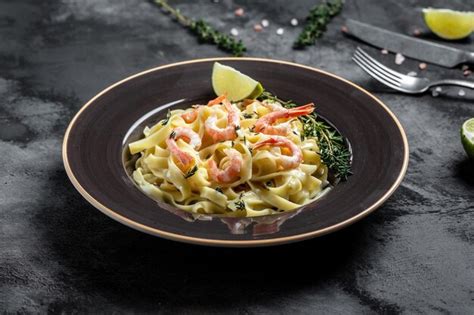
x: 332, y: 147
x: 316, y: 22
x: 205, y: 32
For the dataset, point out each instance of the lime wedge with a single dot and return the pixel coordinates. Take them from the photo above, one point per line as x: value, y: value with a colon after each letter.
x: 467, y: 137
x: 237, y: 85
x: 449, y: 24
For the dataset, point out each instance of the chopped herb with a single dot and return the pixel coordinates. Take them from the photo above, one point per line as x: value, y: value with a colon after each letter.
x: 245, y: 140
x: 191, y: 172
x: 250, y: 150
x: 295, y: 133
x: 240, y: 205
x: 252, y: 129
x: 316, y: 22
x: 205, y: 32
x: 165, y: 121
x: 232, y: 144
x: 218, y: 189
x: 267, y: 96
x: 332, y: 147
x: 172, y: 134
x: 269, y: 183
x: 237, y: 127
x: 247, y: 115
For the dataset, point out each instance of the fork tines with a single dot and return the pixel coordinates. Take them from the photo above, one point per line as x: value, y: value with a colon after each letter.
x: 377, y: 70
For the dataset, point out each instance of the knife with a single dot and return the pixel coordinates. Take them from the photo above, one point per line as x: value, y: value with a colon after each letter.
x: 409, y: 46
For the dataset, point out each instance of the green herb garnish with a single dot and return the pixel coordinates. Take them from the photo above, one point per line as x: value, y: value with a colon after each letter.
x: 316, y: 22
x: 205, y: 32
x: 218, y: 189
x: 240, y: 205
x: 332, y: 147
x: 247, y: 115
x: 172, y: 134
x: 191, y: 172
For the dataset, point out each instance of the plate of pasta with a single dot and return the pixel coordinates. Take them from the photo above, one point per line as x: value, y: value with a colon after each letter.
x: 235, y: 152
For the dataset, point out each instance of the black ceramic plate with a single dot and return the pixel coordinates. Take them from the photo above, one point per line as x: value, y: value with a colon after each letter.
x: 95, y: 148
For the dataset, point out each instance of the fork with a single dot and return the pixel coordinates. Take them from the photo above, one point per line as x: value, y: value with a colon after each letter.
x: 398, y: 81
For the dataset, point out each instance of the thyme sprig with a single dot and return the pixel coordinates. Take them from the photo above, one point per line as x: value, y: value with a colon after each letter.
x: 332, y: 147
x: 316, y: 22
x: 204, y: 31
x: 191, y: 172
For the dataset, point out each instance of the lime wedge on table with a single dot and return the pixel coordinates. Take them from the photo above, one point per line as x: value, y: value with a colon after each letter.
x: 237, y: 85
x: 449, y: 24
x: 467, y: 137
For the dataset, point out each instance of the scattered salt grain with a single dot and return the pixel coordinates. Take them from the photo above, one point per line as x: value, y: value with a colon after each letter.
x: 280, y: 31
x: 467, y: 73
x: 257, y: 28
x: 412, y: 74
x: 399, y: 58
x: 239, y: 12
x: 265, y: 23
x: 384, y: 52
x: 234, y: 32
x: 422, y: 66
x: 438, y: 89
x: 416, y: 32
x: 461, y: 92
x: 294, y: 22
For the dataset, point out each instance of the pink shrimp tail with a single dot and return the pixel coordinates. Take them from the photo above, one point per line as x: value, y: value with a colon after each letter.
x: 302, y: 110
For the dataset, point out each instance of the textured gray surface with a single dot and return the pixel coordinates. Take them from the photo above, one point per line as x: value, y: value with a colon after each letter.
x: 58, y: 254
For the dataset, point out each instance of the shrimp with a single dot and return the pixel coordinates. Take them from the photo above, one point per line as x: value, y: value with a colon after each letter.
x: 264, y: 124
x: 231, y: 171
x: 184, y: 159
x: 191, y: 116
x: 233, y: 124
x: 285, y: 161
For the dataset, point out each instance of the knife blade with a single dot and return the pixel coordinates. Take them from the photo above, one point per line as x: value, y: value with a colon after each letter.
x: 408, y: 46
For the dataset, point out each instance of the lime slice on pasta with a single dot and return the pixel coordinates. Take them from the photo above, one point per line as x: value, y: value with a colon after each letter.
x: 467, y: 137
x: 237, y: 86
x: 449, y: 24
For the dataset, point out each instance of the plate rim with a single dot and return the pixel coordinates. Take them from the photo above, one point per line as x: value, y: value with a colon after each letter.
x: 232, y: 243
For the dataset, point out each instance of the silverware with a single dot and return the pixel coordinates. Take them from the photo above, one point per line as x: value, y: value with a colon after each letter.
x: 398, y: 81
x: 409, y: 46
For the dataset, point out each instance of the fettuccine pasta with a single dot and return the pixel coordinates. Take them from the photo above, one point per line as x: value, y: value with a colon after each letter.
x: 238, y: 159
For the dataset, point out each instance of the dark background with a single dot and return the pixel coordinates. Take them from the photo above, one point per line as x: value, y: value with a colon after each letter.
x: 58, y: 254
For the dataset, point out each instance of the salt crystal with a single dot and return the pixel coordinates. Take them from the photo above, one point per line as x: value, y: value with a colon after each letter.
x: 461, y: 92
x: 434, y: 93
x: 416, y: 32
x: 399, y: 58
x: 384, y: 52
x: 239, y: 12
x: 422, y: 66
x: 438, y: 89
x: 412, y: 74
x: 234, y: 32
x: 265, y: 23
x: 294, y: 22
x: 280, y: 31
x: 257, y: 28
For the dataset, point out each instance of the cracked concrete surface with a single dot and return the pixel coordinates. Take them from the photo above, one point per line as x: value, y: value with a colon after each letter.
x: 59, y: 255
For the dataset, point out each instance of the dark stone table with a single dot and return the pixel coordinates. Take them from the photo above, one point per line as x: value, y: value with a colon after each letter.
x: 58, y: 254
